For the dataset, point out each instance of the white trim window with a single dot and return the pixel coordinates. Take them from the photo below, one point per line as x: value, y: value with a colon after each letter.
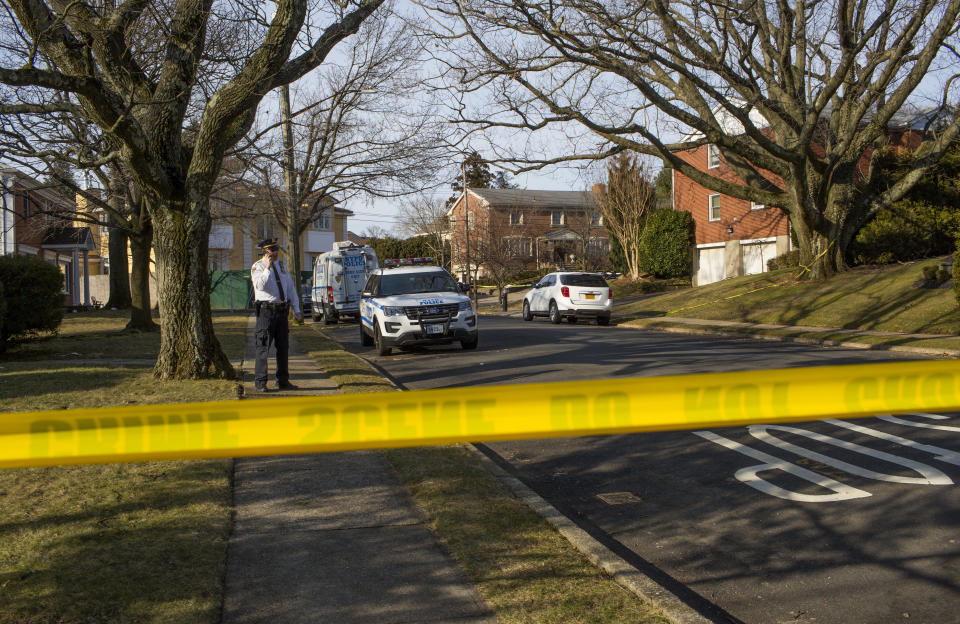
x: 713, y: 156
x: 556, y: 217
x: 516, y: 217
x: 596, y: 219
x: 713, y: 207
x: 322, y: 222
x: 755, y: 206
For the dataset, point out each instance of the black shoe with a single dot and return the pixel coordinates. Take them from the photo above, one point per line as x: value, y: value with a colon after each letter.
x: 286, y: 386
x: 260, y: 387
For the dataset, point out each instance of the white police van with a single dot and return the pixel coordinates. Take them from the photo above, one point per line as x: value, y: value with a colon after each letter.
x: 411, y: 301
x: 338, y: 279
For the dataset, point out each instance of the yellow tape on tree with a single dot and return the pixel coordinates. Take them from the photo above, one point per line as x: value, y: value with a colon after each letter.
x: 479, y: 413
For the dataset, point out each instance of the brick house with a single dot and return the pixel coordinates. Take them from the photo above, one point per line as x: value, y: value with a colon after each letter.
x: 547, y: 229
x: 735, y: 237
x: 38, y: 221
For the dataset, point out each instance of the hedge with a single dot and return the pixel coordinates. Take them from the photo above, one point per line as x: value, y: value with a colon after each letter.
x: 665, y: 243
x: 33, y: 296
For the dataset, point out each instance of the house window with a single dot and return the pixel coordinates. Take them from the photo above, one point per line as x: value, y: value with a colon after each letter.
x: 713, y: 156
x: 556, y: 217
x: 519, y: 247
x: 266, y: 227
x: 598, y: 247
x: 714, y: 207
x: 516, y: 217
x: 322, y: 222
x: 755, y: 206
x: 596, y: 219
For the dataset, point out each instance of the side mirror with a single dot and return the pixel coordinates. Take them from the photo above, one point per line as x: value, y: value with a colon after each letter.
x: 366, y: 294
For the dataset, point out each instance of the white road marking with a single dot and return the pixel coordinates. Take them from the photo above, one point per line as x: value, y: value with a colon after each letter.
x: 750, y: 475
x: 928, y: 474
x: 944, y: 455
x: 912, y: 423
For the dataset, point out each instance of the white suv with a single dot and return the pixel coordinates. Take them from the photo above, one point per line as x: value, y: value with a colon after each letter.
x: 569, y: 295
x: 413, y: 302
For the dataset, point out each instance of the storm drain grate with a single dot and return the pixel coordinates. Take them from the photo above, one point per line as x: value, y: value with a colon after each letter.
x: 619, y: 498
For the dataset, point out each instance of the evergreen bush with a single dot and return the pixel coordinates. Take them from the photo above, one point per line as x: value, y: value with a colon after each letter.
x: 33, y: 296
x: 665, y: 243
x: 930, y: 272
x: 906, y: 231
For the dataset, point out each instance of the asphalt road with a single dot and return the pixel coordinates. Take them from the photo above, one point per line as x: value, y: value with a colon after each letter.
x: 815, y: 522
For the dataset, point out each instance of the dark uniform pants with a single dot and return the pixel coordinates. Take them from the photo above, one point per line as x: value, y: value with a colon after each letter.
x: 272, y: 330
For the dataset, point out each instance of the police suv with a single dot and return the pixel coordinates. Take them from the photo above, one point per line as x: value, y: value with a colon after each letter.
x: 411, y: 301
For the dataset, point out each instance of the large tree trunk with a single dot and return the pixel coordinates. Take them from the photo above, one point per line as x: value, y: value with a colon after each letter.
x: 141, y: 318
x: 119, y: 270
x: 188, y: 347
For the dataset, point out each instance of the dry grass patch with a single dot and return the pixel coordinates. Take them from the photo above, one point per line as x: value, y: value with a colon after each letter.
x: 111, y: 543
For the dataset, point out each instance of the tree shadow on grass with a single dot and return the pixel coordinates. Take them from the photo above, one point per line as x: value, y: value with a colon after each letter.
x: 114, y: 543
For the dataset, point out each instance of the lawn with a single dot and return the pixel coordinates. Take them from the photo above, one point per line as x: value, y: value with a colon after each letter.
x: 882, y: 298
x: 140, y: 542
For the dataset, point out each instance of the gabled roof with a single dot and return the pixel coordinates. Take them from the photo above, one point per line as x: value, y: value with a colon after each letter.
x: 526, y: 198
x: 68, y: 237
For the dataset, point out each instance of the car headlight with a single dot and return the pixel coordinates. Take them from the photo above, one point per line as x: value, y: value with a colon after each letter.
x: 464, y: 306
x: 393, y: 311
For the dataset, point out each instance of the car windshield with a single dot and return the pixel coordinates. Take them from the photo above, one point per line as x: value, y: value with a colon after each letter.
x: 582, y: 279
x: 407, y: 283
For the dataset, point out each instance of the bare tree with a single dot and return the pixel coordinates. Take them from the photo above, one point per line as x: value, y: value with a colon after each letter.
x: 427, y: 216
x: 799, y: 97
x: 625, y: 198
x: 55, y: 146
x: 360, y: 129
x: 500, y: 248
x: 169, y: 128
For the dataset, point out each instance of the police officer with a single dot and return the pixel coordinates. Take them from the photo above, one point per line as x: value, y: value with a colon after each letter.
x: 274, y: 293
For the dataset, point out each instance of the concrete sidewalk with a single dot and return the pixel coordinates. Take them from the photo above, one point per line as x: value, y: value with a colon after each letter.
x: 334, y: 537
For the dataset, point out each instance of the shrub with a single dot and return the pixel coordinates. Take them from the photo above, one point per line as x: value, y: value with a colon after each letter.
x: 33, y: 296
x: 906, y: 231
x: 956, y: 270
x: 930, y: 272
x: 943, y: 275
x: 665, y: 243
x: 783, y: 261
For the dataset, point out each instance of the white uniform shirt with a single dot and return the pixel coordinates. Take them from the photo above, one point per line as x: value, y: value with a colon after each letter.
x: 265, y: 284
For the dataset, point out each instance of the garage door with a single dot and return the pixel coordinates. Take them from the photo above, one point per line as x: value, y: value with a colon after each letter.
x: 755, y: 257
x: 710, y: 265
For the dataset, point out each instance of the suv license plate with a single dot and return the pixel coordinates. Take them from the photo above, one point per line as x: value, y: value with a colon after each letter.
x: 589, y: 296
x: 433, y: 329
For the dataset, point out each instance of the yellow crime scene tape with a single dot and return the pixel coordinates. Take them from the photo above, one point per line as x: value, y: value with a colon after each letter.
x: 473, y: 414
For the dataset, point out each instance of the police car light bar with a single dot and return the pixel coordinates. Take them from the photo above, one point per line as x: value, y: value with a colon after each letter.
x: 395, y: 262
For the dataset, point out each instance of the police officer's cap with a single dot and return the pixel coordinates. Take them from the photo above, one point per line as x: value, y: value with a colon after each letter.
x: 268, y: 244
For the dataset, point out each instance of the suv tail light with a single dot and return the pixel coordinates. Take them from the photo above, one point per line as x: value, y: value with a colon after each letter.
x: 329, y: 294
x: 610, y: 293
x: 565, y: 291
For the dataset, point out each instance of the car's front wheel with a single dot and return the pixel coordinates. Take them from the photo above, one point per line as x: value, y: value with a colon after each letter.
x: 382, y: 349
x: 467, y: 345
x: 555, y: 317
x: 527, y: 316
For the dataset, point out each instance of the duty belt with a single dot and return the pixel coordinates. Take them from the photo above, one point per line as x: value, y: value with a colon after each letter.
x: 273, y: 305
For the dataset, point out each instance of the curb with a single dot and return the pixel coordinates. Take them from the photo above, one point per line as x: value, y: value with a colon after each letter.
x: 626, y: 575
x: 870, y: 346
